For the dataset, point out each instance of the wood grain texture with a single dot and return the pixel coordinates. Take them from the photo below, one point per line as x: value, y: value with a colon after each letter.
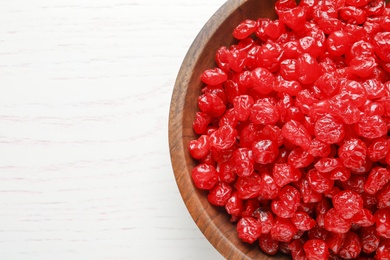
x: 85, y: 88
x: 217, y: 32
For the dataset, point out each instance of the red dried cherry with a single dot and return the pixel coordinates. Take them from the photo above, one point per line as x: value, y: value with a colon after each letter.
x: 351, y: 247
x: 268, y: 245
x: 248, y: 229
x: 211, y: 104
x: 264, y: 113
x: 265, y: 151
x: 316, y: 249
x: 219, y: 194
x: 204, y: 176
x: 296, y: 133
x: 245, y: 29
x: 347, y: 203
x: 369, y: 239
x: 284, y: 173
x: 213, y: 76
x: 329, y: 130
x: 249, y: 186
x: 353, y: 153
x: 333, y: 222
x: 283, y: 230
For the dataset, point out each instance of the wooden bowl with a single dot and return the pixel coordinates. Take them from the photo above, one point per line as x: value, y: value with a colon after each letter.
x: 217, y: 32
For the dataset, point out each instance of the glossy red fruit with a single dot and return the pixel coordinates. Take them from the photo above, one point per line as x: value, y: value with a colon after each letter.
x: 377, y: 178
x: 202, y: 120
x: 220, y: 194
x: 274, y: 133
x: 283, y: 230
x: 369, y: 239
x: 371, y: 127
x: 228, y: 118
x: 307, y: 193
x: 264, y: 113
x: 335, y: 241
x: 205, y: 176
x: 224, y: 138
x: 341, y: 174
x: 353, y: 91
x: 333, y: 222
x: 266, y: 219
x: 310, y: 45
x: 353, y: 15
x: 329, y: 130
x: 303, y: 221
x: 375, y: 89
x: 382, y: 222
x: 378, y: 149
x: 345, y: 109
x: 221, y: 155
x: 318, y: 148
x: 347, y: 203
x: 263, y: 80
x: 338, y: 43
x: 381, y: 45
x: 296, y: 133
x: 357, y: 3
x: 308, y: 69
x: 355, y: 183
x: 299, y: 158
x: 211, y: 104
x: 284, y: 173
x: 199, y: 148
x: 250, y: 134
x: 363, y: 66
x: 226, y: 172
x: 268, y: 188
x: 293, y: 127
x: 248, y: 229
x: 383, y: 251
x: 364, y: 218
x: 328, y: 164
x: 296, y: 249
x: 250, y: 207
x: 242, y: 107
x: 384, y: 197
x: 245, y: 29
x: 222, y: 58
x: 316, y: 249
x: 234, y: 205
x: 353, y: 153
x: 243, y: 162
x: 213, y: 76
x: 288, y: 202
x: 351, y: 247
x: 268, y: 245
x: 265, y: 151
x: 248, y: 187
x: 269, y: 56
x: 294, y: 17
x: 318, y: 233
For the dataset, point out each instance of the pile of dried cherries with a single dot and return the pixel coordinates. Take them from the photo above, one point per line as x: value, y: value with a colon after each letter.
x: 293, y: 128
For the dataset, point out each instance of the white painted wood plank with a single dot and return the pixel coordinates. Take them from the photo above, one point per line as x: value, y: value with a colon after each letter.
x: 85, y: 89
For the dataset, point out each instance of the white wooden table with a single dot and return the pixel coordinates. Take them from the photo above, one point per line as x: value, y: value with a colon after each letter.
x: 84, y: 160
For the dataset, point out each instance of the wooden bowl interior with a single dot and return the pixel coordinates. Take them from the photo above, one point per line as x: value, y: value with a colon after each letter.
x: 212, y: 221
